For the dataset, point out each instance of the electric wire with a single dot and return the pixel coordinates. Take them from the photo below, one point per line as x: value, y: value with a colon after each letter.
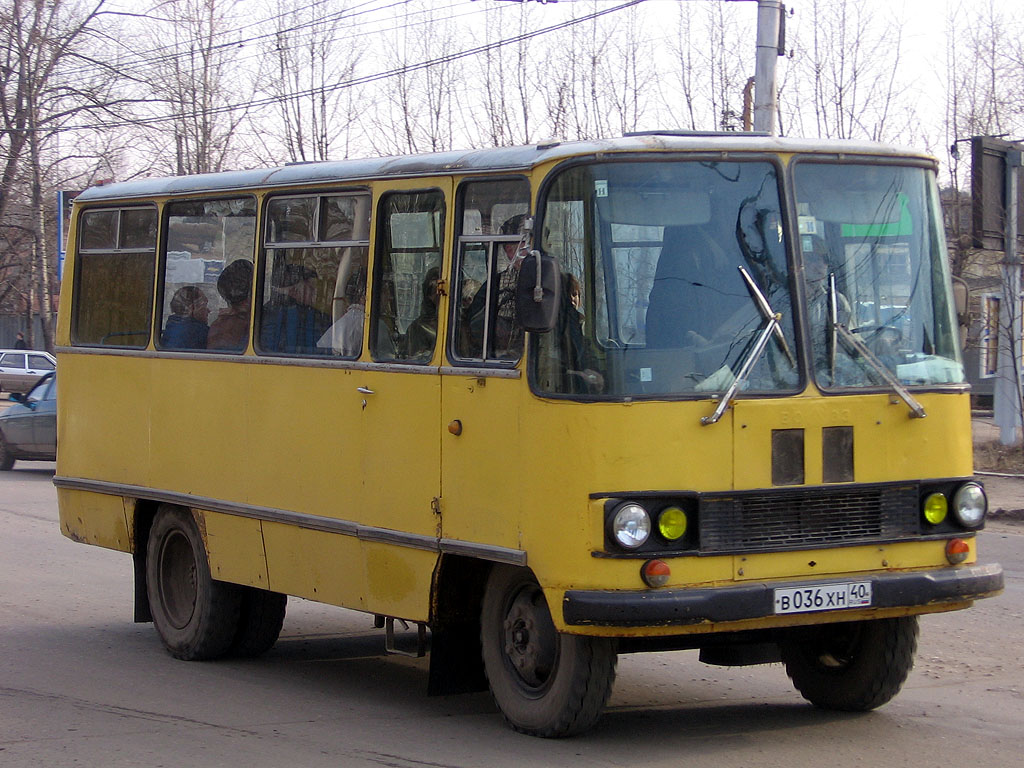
x: 356, y: 81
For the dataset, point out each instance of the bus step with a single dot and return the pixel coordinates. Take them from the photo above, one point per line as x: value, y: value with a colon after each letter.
x: 389, y: 639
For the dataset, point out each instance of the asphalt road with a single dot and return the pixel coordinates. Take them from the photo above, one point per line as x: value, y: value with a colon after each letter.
x: 81, y: 685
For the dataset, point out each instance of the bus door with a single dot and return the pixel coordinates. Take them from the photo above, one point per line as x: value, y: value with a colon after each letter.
x: 400, y: 398
x: 482, y: 389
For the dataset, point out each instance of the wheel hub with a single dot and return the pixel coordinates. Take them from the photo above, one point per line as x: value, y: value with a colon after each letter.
x: 178, y: 579
x: 530, y: 639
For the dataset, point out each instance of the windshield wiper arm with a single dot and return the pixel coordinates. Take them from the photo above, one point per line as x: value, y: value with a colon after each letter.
x: 847, y: 336
x: 772, y: 326
x: 766, y: 310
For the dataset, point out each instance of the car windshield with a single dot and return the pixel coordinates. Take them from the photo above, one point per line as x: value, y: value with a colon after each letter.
x: 662, y: 265
x: 875, y: 265
x: 41, y: 390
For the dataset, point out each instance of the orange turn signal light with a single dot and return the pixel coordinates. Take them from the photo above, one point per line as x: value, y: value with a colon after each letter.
x: 655, y: 573
x: 957, y: 551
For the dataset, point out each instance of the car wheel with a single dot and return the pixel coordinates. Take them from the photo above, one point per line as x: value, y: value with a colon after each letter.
x: 6, y: 457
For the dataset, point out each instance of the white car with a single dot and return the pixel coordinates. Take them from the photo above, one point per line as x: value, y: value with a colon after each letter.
x: 20, y: 369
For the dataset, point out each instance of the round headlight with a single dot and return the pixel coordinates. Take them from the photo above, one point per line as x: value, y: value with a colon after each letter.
x: 631, y: 526
x: 672, y: 523
x: 970, y: 505
x: 935, y: 508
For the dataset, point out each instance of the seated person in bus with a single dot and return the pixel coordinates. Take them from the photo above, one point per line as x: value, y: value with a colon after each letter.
x: 421, y: 335
x: 506, y: 335
x: 345, y: 337
x: 291, y: 322
x: 186, y: 327
x: 231, y: 328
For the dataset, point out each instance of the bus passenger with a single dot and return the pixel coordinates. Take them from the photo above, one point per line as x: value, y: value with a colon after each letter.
x: 580, y: 376
x: 345, y: 337
x: 186, y: 328
x: 291, y: 322
x: 422, y: 333
x: 231, y: 328
x: 507, y: 335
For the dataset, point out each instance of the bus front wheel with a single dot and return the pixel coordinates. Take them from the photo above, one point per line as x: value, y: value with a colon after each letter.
x: 545, y: 683
x: 195, y: 616
x: 854, y: 666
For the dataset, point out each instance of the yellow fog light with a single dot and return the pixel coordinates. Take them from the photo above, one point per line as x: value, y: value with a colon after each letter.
x: 935, y: 508
x: 672, y: 523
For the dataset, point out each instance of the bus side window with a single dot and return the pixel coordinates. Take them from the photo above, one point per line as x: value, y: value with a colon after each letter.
x: 407, y: 273
x: 484, y: 325
x: 314, y: 282
x: 207, y: 277
x: 114, y: 269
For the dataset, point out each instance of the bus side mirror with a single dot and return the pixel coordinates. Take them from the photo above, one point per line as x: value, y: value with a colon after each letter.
x: 537, y: 291
x: 961, y: 296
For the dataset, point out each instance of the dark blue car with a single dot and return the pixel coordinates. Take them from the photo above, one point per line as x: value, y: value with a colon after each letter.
x: 28, y: 427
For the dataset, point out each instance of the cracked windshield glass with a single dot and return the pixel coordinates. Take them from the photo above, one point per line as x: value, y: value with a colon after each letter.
x: 873, y: 234
x: 654, y: 301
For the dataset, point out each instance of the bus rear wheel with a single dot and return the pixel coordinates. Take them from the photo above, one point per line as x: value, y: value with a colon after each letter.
x: 195, y: 616
x: 260, y: 622
x: 545, y: 683
x: 854, y: 666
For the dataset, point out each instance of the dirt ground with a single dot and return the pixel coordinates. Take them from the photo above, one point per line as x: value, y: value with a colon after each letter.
x: 1001, y: 468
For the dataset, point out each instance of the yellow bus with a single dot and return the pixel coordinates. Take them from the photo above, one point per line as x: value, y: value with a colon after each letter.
x: 551, y: 403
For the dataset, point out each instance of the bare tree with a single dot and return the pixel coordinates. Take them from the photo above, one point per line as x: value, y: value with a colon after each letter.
x: 848, y: 66
x: 312, y: 55
x: 506, y: 89
x: 416, y: 111
x: 40, y: 39
x: 193, y: 76
x: 711, y: 62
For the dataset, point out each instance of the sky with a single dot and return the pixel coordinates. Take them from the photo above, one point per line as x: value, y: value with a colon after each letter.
x: 923, y: 34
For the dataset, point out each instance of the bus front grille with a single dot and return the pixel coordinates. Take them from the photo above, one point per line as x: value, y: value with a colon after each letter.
x: 798, y: 519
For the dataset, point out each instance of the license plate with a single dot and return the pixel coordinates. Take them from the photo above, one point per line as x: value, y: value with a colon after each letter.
x: 823, y: 597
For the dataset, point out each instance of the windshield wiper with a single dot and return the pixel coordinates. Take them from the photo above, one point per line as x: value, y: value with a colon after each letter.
x: 839, y: 329
x: 772, y: 326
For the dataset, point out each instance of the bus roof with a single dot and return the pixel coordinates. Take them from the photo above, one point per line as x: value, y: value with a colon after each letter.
x: 463, y: 162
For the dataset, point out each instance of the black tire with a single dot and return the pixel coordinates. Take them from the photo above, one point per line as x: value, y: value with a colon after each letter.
x: 852, y: 667
x: 260, y: 622
x: 195, y: 616
x: 545, y: 683
x: 6, y: 457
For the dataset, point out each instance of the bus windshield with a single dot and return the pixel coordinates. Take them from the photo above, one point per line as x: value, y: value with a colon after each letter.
x: 873, y: 233
x: 655, y: 300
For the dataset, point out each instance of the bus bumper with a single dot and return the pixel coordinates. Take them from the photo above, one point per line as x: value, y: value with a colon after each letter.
x: 682, y: 607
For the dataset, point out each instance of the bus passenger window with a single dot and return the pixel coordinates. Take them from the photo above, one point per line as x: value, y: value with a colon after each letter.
x: 207, y: 278
x: 116, y: 255
x: 485, y: 327
x: 316, y: 249
x: 408, y: 271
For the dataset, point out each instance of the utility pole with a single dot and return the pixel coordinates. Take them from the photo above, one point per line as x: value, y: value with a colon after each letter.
x: 771, y: 44
x: 1008, y: 393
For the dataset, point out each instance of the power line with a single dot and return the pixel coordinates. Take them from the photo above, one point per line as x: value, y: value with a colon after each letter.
x: 186, y: 47
x: 365, y: 79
